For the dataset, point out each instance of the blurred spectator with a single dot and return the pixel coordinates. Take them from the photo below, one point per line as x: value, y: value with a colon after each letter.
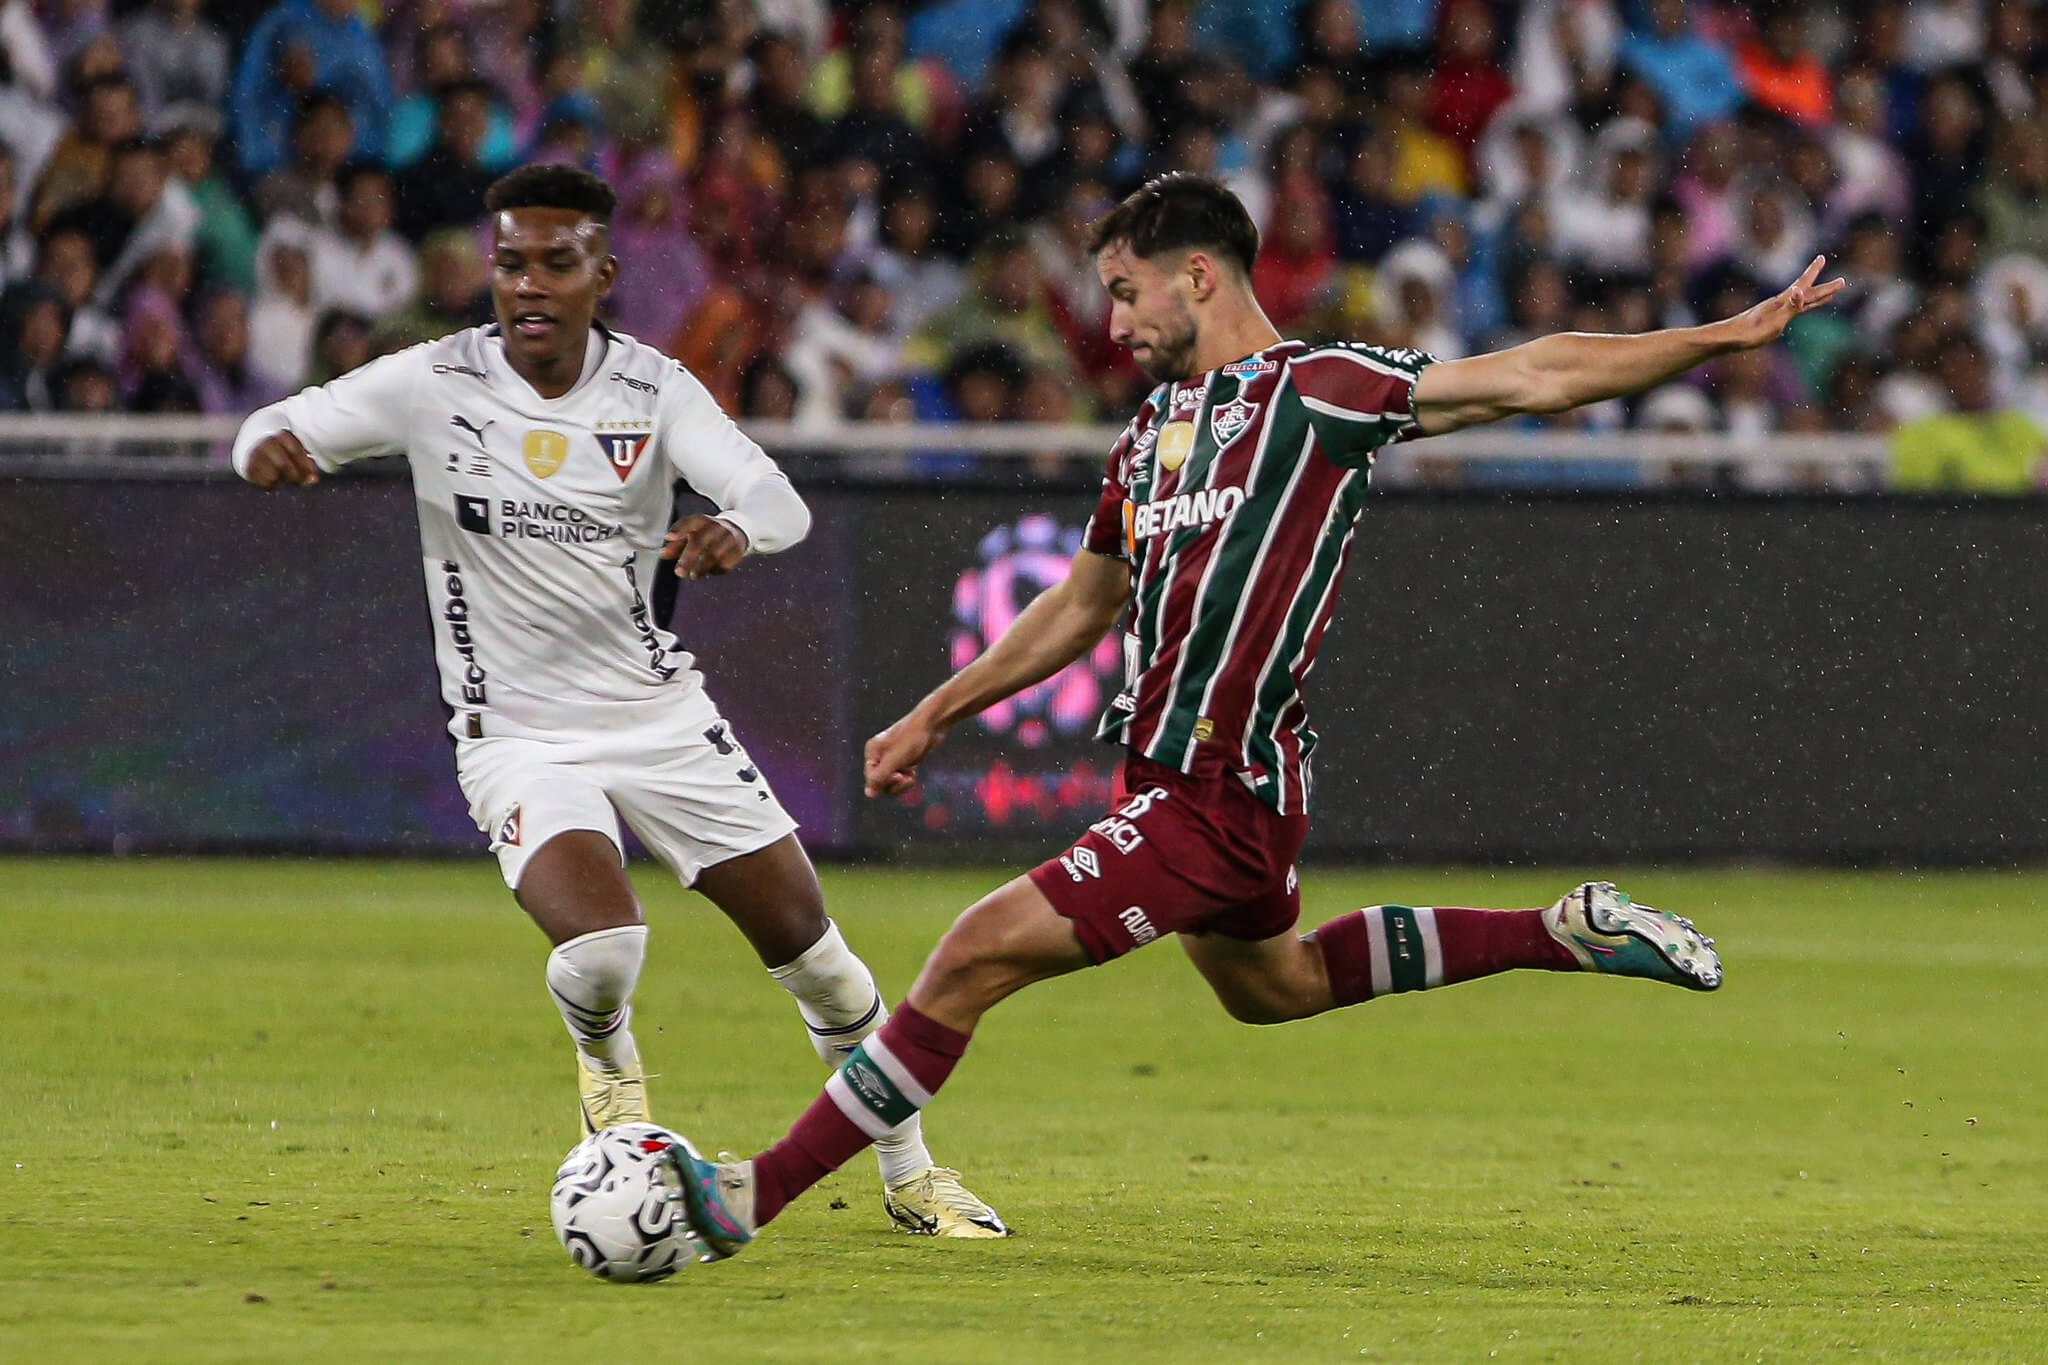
x: 570, y: 133
x: 1677, y: 408
x: 1412, y: 292
x: 1161, y: 71
x: 225, y: 380
x: 777, y: 101
x: 920, y: 281
x: 444, y: 59
x: 767, y: 392
x: 153, y: 377
x: 1019, y: 115
x: 1298, y: 257
x: 323, y: 135
x: 341, y: 342
x: 503, y: 37
x: 1605, y: 223
x: 1872, y: 174
x: 1979, y: 446
x: 301, y: 45
x: 360, y: 265
x: 663, y: 273
x: 1878, y: 49
x: 1564, y: 50
x: 33, y: 323
x: 873, y: 129
x: 1693, y: 75
x: 1774, y: 238
x: 2010, y: 297
x: 108, y: 113
x: 445, y: 188
x: 876, y: 42
x: 1876, y: 296
x: 1469, y: 84
x: 1781, y: 72
x: 2015, y: 197
x: 632, y: 77
x: 142, y: 212
x: 1425, y: 161
x: 86, y: 383
x: 223, y: 237
x: 175, y: 56
x: 66, y: 262
x: 1911, y: 388
x: 1947, y: 155
x: 1852, y: 397
x: 986, y: 199
x: 1007, y: 303
x: 1707, y: 190
x: 452, y: 292
x: 1060, y: 240
x: 982, y: 382
x: 281, y: 319
x: 840, y: 344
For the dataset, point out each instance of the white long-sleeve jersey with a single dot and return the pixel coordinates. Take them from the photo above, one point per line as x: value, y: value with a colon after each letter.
x: 541, y: 520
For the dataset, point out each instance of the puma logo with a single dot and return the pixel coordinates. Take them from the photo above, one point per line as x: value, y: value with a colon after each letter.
x: 470, y: 427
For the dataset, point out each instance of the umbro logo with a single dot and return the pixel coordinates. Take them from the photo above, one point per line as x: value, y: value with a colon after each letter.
x: 470, y: 427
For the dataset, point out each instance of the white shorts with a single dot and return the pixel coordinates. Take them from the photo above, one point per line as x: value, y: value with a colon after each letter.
x: 690, y: 792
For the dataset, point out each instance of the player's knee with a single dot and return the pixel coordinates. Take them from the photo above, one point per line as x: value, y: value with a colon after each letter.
x: 598, y: 971
x: 970, y: 964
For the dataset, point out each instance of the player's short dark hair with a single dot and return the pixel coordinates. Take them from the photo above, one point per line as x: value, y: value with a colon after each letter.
x: 552, y: 187
x: 1180, y: 211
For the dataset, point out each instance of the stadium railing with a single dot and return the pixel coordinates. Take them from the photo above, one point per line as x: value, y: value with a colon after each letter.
x: 80, y: 445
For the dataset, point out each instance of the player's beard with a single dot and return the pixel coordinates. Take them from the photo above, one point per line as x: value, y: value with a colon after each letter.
x: 1169, y: 357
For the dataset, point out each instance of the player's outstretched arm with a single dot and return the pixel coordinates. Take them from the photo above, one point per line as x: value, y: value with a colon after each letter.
x: 1061, y: 624
x: 1555, y: 373
x: 362, y: 414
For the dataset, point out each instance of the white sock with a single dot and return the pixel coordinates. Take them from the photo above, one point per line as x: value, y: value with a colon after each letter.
x: 592, y: 978
x: 836, y: 995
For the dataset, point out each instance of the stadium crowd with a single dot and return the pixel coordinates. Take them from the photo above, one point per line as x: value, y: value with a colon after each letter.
x: 878, y: 210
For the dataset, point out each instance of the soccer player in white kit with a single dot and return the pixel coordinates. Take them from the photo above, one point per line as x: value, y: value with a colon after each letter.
x: 543, y: 450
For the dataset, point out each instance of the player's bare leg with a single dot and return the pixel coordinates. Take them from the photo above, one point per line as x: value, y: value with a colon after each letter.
x: 575, y: 888
x: 772, y: 895
x: 1389, y: 949
x: 1003, y: 943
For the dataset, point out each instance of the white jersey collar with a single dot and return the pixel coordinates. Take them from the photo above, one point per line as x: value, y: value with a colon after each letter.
x: 594, y: 347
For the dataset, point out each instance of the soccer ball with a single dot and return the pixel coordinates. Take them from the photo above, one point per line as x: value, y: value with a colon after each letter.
x: 612, y: 1208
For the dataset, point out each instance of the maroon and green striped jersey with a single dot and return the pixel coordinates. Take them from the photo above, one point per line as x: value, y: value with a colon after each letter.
x: 1233, y: 497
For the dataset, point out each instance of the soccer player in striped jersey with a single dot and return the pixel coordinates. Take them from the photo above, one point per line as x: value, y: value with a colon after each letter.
x: 1225, y: 518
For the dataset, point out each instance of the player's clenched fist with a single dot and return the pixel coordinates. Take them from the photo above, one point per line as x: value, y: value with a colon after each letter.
x: 280, y: 459
x: 893, y: 755
x: 702, y: 546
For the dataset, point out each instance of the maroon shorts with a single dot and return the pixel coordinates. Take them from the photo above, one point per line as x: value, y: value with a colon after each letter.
x: 1180, y: 855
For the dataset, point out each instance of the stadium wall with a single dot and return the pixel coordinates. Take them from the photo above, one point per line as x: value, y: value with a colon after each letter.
x: 1545, y: 678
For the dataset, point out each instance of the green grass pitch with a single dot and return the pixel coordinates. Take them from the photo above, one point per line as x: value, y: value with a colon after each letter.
x: 310, y: 1111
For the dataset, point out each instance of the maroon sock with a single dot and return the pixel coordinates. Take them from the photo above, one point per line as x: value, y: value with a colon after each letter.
x: 1386, y: 949
x: 888, y: 1078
